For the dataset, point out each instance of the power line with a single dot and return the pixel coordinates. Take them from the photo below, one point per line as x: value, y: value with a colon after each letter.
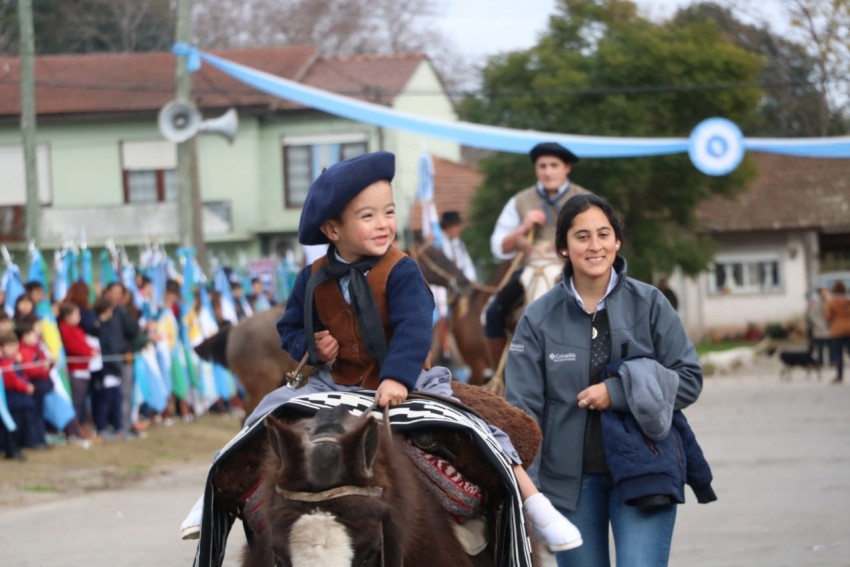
x: 497, y: 93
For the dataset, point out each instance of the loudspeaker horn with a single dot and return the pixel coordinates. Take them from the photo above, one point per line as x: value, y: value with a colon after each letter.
x: 178, y: 121
x: 225, y: 125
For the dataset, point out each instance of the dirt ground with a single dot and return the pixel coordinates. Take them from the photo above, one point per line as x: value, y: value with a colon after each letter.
x: 68, y: 470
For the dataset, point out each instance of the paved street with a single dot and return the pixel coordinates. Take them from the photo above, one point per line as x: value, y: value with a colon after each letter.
x: 780, y: 453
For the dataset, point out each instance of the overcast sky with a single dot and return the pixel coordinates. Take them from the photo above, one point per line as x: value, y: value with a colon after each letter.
x: 485, y: 27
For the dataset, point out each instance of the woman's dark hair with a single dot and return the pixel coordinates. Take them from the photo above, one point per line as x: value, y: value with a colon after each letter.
x: 839, y: 288
x: 577, y: 205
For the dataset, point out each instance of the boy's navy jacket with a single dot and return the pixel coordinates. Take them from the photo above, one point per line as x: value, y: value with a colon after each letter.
x: 642, y: 467
x: 658, y: 454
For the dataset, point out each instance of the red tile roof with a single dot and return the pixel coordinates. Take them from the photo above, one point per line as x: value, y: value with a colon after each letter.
x: 789, y: 193
x: 112, y: 83
x: 455, y: 185
x: 377, y: 78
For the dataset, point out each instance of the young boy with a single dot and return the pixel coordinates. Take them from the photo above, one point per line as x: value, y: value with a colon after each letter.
x: 19, y: 399
x: 106, y: 402
x: 367, y: 281
x: 36, y: 368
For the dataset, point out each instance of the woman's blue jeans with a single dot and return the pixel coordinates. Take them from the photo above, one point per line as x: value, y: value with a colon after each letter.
x: 641, y: 539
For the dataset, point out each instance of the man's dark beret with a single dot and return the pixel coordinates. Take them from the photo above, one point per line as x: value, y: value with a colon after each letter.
x: 552, y: 149
x: 450, y: 218
x: 336, y: 187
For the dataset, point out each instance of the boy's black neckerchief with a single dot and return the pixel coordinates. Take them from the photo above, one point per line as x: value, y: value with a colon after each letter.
x: 368, y: 317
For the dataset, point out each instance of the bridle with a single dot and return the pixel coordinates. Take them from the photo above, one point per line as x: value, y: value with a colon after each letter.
x: 338, y: 491
x: 331, y: 493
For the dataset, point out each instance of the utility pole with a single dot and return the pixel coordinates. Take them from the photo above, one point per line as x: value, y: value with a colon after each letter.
x: 27, y: 49
x: 188, y: 184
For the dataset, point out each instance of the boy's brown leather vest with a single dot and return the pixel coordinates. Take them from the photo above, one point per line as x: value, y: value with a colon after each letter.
x: 354, y: 365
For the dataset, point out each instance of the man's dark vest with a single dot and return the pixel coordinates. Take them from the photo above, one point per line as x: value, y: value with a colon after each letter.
x: 529, y: 199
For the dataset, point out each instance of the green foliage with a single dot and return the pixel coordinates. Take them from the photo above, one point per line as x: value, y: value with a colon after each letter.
x: 791, y: 104
x: 603, y: 70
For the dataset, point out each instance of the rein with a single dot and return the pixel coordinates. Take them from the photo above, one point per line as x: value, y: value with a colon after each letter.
x: 417, y: 253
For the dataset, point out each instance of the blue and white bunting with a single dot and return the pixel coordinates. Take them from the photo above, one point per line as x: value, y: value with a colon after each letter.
x: 713, y: 158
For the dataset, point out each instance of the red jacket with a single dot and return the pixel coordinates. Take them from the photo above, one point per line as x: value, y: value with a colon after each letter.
x: 32, y: 355
x: 76, y: 346
x: 12, y: 379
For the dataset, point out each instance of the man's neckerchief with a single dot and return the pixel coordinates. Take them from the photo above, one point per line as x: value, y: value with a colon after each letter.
x: 368, y: 317
x: 550, y: 204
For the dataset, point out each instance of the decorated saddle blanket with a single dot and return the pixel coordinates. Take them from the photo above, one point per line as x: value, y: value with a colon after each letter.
x: 416, y: 413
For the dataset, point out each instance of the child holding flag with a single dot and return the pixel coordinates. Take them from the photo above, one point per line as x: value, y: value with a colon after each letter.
x: 19, y: 400
x: 35, y: 366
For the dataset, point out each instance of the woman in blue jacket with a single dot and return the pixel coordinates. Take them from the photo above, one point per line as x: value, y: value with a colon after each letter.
x: 562, y: 344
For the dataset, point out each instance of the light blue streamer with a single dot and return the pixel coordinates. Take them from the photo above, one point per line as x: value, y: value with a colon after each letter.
x: 837, y: 147
x: 512, y: 140
x: 477, y: 135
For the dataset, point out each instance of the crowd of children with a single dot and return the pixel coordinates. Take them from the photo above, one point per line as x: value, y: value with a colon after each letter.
x: 99, y: 340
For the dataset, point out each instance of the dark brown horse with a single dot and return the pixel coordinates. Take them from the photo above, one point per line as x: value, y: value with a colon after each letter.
x: 251, y: 349
x: 339, y: 490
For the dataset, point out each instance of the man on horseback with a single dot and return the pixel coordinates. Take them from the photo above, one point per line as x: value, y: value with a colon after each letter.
x: 451, y: 223
x: 362, y: 314
x: 525, y: 230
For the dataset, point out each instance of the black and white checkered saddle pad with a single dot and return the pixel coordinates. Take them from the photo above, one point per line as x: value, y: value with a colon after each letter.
x: 415, y: 413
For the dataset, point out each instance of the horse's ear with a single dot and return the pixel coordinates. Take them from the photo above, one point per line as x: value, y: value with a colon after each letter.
x: 281, y: 439
x: 366, y: 441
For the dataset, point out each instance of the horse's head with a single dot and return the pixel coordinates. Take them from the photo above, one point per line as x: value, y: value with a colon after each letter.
x: 326, y: 507
x: 438, y: 269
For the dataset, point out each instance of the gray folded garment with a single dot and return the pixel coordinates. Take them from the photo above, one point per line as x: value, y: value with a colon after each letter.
x: 650, y: 391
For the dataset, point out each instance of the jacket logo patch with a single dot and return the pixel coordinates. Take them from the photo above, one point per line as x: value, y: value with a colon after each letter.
x: 517, y: 347
x: 562, y: 356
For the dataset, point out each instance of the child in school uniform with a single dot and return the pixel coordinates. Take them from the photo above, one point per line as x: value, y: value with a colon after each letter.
x: 35, y: 366
x: 364, y: 279
x: 79, y: 353
x: 106, y: 398
x: 19, y: 399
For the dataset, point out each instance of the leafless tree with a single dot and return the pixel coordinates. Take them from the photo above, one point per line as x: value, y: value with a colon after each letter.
x: 824, y: 26
x: 120, y: 25
x: 336, y: 27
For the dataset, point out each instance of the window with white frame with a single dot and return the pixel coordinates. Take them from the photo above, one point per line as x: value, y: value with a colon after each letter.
x: 150, y: 171
x: 305, y: 157
x: 745, y: 274
x: 13, y: 183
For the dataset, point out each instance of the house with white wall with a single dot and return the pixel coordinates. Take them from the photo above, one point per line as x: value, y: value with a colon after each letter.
x: 772, y: 240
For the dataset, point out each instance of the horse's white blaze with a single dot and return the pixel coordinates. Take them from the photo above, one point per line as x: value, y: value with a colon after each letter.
x: 318, y: 540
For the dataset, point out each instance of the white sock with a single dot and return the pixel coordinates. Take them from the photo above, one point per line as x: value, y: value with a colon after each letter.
x: 539, y: 510
x: 556, y: 531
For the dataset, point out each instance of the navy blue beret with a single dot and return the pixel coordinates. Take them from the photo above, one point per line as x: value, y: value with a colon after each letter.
x: 552, y: 149
x: 336, y: 187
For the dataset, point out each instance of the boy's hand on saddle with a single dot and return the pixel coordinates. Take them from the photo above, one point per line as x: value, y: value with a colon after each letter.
x: 390, y: 392
x: 327, y: 346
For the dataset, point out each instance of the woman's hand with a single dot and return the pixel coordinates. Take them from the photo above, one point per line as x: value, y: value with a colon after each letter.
x: 595, y: 397
x: 327, y: 347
